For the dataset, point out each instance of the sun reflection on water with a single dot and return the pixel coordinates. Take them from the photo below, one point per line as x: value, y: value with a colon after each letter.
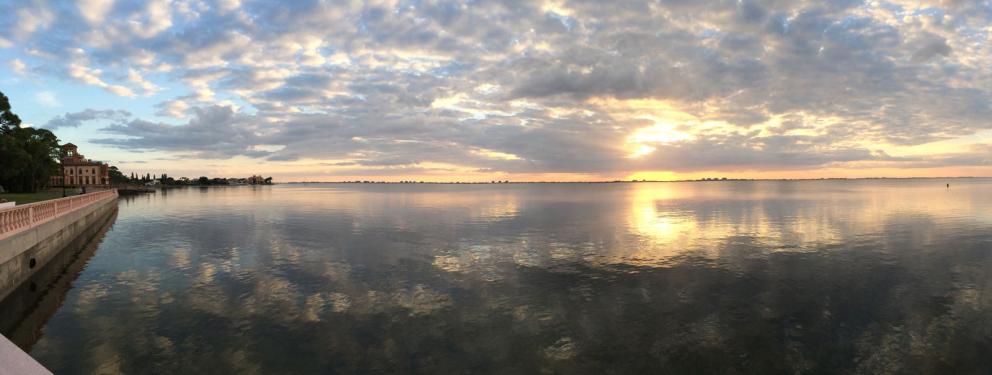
x: 537, y: 278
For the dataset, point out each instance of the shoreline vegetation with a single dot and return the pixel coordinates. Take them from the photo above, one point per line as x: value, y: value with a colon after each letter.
x: 166, y: 181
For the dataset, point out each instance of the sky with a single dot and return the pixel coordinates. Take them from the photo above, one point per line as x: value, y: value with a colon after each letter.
x: 510, y: 90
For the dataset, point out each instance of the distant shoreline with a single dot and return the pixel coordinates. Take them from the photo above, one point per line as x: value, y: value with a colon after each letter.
x: 624, y: 181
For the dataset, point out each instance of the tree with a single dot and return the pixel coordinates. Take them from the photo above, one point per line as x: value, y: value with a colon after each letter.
x: 8, y: 119
x: 28, y: 156
x: 203, y: 181
x: 116, y: 177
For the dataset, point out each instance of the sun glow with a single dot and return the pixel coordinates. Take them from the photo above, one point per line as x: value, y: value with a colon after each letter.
x: 490, y: 154
x: 641, y: 151
x: 645, y: 141
x: 658, y: 133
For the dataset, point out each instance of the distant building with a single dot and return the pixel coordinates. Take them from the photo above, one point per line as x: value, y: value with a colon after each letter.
x: 255, y: 180
x: 80, y: 171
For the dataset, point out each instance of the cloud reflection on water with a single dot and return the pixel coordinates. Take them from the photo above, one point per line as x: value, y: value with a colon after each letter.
x: 842, y: 276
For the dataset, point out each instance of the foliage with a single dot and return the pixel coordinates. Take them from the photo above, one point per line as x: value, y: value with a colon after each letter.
x: 28, y: 156
x: 116, y: 177
x: 8, y: 119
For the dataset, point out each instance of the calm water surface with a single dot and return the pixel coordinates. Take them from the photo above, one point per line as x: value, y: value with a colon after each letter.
x: 755, y: 277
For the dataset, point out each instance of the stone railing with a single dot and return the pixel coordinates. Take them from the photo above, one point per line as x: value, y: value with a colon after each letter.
x: 19, y: 218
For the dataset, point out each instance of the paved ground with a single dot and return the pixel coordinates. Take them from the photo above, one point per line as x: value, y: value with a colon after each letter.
x: 13, y: 361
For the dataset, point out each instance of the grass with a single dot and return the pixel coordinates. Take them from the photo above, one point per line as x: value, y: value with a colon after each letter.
x: 43, y: 195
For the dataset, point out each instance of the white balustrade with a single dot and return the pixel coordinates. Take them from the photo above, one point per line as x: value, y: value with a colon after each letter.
x: 19, y: 218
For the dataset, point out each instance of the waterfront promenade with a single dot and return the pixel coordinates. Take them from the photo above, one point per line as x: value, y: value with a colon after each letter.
x: 33, y: 234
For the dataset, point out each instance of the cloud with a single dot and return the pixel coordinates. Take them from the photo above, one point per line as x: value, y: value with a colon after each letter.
x: 18, y: 67
x: 92, y: 77
x: 746, y: 152
x: 932, y: 48
x: 212, y: 132
x: 148, y: 87
x: 29, y: 19
x: 228, y: 5
x: 75, y: 119
x: 173, y: 108
x: 47, y: 98
x: 94, y: 11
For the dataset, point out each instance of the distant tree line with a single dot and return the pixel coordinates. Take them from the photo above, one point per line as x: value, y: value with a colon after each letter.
x: 255, y: 180
x: 167, y: 180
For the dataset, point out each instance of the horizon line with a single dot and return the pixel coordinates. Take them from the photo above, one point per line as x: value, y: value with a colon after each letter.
x: 498, y: 182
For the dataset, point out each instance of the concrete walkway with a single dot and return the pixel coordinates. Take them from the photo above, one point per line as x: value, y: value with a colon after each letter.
x: 14, y: 361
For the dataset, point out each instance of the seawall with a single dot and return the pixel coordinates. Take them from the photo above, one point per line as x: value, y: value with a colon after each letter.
x: 31, y: 247
x: 24, y: 312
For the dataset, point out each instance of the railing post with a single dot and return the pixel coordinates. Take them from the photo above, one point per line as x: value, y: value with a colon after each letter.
x: 30, y: 215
